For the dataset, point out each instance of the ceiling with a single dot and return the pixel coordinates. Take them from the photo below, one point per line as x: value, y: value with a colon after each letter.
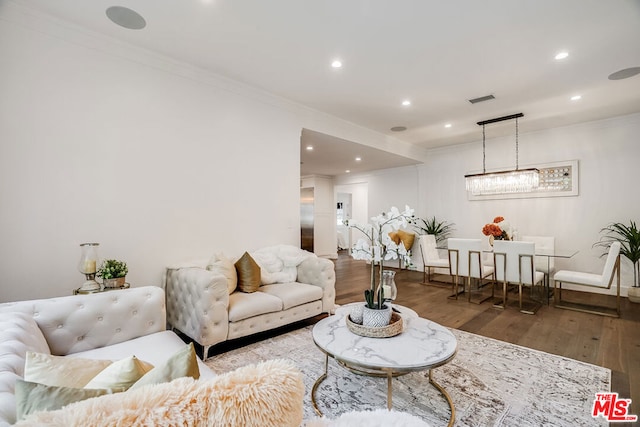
x: 437, y: 54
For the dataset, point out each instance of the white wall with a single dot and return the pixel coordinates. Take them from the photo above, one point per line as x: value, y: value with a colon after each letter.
x: 157, y: 161
x: 608, y: 153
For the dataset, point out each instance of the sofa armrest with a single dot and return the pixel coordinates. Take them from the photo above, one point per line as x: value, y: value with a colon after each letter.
x: 198, y: 304
x: 320, y: 272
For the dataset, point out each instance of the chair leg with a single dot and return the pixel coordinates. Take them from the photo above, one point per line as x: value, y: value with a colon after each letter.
x: 533, y: 304
x: 586, y: 308
x: 455, y: 288
x: 502, y: 304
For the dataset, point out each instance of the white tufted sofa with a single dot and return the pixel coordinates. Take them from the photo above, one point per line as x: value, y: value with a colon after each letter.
x: 109, y: 325
x: 199, y: 305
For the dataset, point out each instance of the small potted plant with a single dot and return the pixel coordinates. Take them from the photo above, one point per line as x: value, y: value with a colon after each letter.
x: 377, y: 248
x: 629, y: 238
x: 113, y: 273
x: 440, y: 229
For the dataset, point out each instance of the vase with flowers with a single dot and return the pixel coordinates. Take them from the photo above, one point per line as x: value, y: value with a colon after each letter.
x: 376, y: 248
x: 499, y: 229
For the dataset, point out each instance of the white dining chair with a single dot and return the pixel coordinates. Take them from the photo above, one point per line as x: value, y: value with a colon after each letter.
x: 514, y: 263
x: 430, y: 257
x: 465, y: 260
x: 546, y: 248
x: 602, y: 281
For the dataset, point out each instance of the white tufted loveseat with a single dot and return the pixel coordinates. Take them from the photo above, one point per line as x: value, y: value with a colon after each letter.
x: 200, y: 306
x: 108, y: 325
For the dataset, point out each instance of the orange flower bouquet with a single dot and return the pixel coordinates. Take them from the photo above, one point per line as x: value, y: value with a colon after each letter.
x: 499, y: 229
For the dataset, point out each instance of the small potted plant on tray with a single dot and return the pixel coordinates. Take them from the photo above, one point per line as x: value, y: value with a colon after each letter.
x: 377, y: 248
x: 113, y: 273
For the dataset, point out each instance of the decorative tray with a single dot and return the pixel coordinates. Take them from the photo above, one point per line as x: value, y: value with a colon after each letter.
x: 394, y: 328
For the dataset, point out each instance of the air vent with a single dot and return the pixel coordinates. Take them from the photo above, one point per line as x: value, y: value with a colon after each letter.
x: 482, y: 99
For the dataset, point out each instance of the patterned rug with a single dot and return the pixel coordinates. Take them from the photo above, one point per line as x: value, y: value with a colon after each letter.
x: 492, y: 383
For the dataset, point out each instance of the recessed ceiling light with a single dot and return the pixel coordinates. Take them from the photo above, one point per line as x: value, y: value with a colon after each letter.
x: 336, y: 64
x: 625, y: 73
x: 358, y: 159
x: 576, y: 97
x: 448, y: 125
x: 562, y: 55
x: 309, y: 148
x: 398, y: 129
x: 126, y: 18
x: 406, y: 102
x: 347, y: 171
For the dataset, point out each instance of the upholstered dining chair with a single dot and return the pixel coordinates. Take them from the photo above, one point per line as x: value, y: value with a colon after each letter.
x: 465, y: 260
x: 514, y: 263
x: 430, y: 257
x: 602, y: 281
x: 544, y: 245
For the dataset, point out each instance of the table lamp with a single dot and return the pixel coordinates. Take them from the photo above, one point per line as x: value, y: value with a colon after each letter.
x: 87, y: 266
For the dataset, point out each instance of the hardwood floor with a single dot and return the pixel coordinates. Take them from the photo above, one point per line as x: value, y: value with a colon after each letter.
x: 599, y: 340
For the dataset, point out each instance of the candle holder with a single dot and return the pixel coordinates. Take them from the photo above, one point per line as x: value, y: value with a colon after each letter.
x: 88, y: 266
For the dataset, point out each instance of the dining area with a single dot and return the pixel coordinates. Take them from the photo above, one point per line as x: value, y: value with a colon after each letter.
x: 513, y: 271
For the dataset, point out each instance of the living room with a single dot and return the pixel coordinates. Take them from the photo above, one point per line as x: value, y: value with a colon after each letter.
x: 160, y: 160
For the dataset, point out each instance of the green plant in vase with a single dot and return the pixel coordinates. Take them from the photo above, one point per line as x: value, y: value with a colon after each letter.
x: 440, y: 229
x: 113, y: 272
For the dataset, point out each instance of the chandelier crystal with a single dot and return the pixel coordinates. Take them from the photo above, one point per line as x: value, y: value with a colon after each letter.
x: 503, y: 182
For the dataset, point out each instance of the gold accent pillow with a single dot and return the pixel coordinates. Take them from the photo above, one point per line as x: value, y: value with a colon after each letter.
x: 395, y: 237
x: 406, y: 238
x: 248, y: 273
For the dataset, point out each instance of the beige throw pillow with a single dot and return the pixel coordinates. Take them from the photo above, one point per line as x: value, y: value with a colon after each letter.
x: 61, y: 371
x: 121, y: 374
x: 183, y: 363
x: 33, y: 397
x: 248, y: 273
x: 223, y: 265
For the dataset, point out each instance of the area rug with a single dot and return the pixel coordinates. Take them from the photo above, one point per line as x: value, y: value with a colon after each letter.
x: 492, y: 383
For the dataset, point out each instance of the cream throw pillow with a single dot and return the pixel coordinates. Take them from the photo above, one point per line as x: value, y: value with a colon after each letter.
x: 183, y: 363
x: 32, y: 397
x: 267, y: 394
x: 223, y: 265
x: 123, y: 373
x: 248, y: 273
x: 61, y: 371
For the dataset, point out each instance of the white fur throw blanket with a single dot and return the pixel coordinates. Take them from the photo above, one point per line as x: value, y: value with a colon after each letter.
x: 377, y: 418
x: 267, y: 394
x: 278, y: 264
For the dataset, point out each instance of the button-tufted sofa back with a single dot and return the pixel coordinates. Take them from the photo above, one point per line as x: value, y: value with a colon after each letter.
x: 83, y: 322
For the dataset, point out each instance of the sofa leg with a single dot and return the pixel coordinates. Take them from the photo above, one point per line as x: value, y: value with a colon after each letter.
x: 205, y: 352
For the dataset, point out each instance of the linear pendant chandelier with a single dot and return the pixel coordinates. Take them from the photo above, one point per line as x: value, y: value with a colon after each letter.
x: 502, y: 182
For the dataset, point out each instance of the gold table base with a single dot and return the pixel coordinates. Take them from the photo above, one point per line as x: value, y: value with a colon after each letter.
x: 389, y: 374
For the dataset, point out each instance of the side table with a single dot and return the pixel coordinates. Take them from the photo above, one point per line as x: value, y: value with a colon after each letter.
x: 78, y: 291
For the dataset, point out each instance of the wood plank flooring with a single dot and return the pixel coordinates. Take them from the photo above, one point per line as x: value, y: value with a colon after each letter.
x: 599, y: 340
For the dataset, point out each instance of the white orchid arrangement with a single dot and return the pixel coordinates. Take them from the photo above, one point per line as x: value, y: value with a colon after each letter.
x: 379, y: 247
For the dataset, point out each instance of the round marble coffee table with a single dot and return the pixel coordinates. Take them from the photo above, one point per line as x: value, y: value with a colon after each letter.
x: 423, y: 345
